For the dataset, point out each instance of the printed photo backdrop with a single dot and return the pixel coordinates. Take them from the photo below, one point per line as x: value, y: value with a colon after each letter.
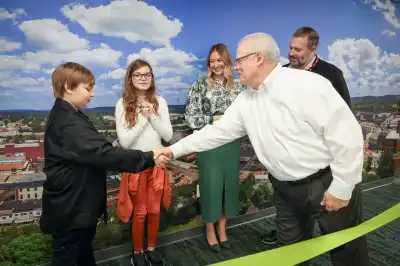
x: 360, y: 37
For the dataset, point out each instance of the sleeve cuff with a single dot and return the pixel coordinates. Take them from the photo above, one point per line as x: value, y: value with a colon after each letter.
x: 150, y: 158
x: 153, y: 117
x: 177, y: 150
x: 340, y: 190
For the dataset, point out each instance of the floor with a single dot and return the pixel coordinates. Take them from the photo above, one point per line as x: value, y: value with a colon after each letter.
x: 384, y: 243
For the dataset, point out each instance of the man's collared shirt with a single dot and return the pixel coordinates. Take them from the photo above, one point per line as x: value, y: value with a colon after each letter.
x: 297, y: 124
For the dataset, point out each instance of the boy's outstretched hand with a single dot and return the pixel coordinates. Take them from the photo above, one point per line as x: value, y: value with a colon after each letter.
x: 163, y: 152
x: 161, y: 160
x: 162, y: 156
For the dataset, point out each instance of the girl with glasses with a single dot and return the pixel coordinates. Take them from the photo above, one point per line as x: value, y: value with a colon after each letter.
x: 142, y: 120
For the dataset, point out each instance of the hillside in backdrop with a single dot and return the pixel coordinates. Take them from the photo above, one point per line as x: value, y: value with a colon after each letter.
x: 376, y: 98
x: 181, y: 108
x: 105, y: 109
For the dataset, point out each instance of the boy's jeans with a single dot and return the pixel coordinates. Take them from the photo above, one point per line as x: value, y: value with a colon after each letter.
x: 74, y: 247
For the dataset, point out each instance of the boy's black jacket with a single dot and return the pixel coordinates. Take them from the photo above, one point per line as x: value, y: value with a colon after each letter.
x: 76, y: 159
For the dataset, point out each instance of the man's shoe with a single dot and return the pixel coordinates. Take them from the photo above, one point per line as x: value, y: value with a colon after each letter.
x: 153, y: 257
x: 139, y: 259
x: 270, y: 238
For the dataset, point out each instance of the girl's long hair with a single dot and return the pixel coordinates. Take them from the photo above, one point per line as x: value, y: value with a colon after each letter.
x: 130, y: 94
x: 223, y: 51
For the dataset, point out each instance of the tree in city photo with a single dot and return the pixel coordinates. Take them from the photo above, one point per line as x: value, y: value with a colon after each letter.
x: 368, y: 165
x: 385, y: 166
x: 245, y: 192
x: 114, y: 233
x: 24, y: 245
x: 398, y: 107
x: 262, y: 196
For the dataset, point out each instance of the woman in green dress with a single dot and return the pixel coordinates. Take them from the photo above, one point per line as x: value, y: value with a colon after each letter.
x: 208, y: 99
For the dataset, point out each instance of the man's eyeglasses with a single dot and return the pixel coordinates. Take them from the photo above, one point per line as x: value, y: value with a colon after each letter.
x: 139, y: 76
x: 240, y: 59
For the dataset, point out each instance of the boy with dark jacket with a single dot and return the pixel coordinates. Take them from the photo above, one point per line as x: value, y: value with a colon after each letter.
x: 76, y: 159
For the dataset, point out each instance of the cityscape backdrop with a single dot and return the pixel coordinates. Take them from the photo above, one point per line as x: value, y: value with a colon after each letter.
x: 359, y: 37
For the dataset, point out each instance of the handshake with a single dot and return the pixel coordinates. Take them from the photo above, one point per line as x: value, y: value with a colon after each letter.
x: 162, y: 156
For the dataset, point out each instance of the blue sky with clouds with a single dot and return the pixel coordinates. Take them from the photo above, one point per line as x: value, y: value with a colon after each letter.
x: 361, y: 37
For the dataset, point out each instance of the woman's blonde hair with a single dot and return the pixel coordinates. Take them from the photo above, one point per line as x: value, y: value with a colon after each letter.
x: 223, y: 51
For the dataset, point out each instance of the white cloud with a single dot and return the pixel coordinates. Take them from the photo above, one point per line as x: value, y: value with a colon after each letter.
x: 5, y: 14
x: 171, y: 83
x: 9, y: 46
x: 389, y: 33
x: 13, y: 62
x: 117, y: 87
x: 5, y: 93
x: 99, y: 56
x: 57, y: 45
x: 52, y: 35
x: 387, y: 9
x: 167, y: 60
x: 102, y: 56
x: 367, y: 70
x: 48, y: 71
x: 390, y: 60
x: 102, y: 90
x: 12, y: 82
x: 129, y: 19
x: 118, y: 73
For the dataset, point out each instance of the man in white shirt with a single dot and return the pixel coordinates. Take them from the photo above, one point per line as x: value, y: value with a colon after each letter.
x: 305, y: 134
x: 303, y: 55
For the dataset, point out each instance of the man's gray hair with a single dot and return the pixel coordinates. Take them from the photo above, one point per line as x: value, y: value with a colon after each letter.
x: 263, y: 43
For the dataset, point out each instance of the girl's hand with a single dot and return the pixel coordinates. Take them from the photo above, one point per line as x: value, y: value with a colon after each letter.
x: 146, y: 109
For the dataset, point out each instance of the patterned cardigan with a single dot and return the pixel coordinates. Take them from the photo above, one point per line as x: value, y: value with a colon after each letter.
x: 204, y: 103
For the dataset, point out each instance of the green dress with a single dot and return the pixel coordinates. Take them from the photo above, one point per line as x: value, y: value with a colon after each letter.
x: 219, y: 167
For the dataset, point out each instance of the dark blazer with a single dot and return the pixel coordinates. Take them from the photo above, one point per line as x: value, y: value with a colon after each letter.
x: 76, y: 159
x: 335, y: 76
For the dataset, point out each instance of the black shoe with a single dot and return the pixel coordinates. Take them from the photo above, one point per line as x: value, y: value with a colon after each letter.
x: 153, y: 257
x: 270, y: 238
x: 214, y: 247
x: 139, y: 259
x: 225, y: 243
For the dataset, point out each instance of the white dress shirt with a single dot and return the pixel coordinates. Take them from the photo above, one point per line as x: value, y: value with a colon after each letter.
x: 297, y: 124
x: 146, y: 134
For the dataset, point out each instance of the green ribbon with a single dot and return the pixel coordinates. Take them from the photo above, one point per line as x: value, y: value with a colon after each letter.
x: 303, y: 251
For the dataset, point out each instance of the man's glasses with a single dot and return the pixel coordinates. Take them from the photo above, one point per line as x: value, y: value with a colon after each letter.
x: 139, y: 76
x: 240, y: 59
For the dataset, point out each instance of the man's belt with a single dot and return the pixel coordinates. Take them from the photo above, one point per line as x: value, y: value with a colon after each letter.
x: 310, y: 178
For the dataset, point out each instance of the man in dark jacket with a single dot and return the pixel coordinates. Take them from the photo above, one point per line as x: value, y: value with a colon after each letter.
x: 303, y: 55
x: 76, y: 159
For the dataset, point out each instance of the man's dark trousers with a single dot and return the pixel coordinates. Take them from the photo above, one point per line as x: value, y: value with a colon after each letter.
x: 298, y: 206
x: 74, y: 247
